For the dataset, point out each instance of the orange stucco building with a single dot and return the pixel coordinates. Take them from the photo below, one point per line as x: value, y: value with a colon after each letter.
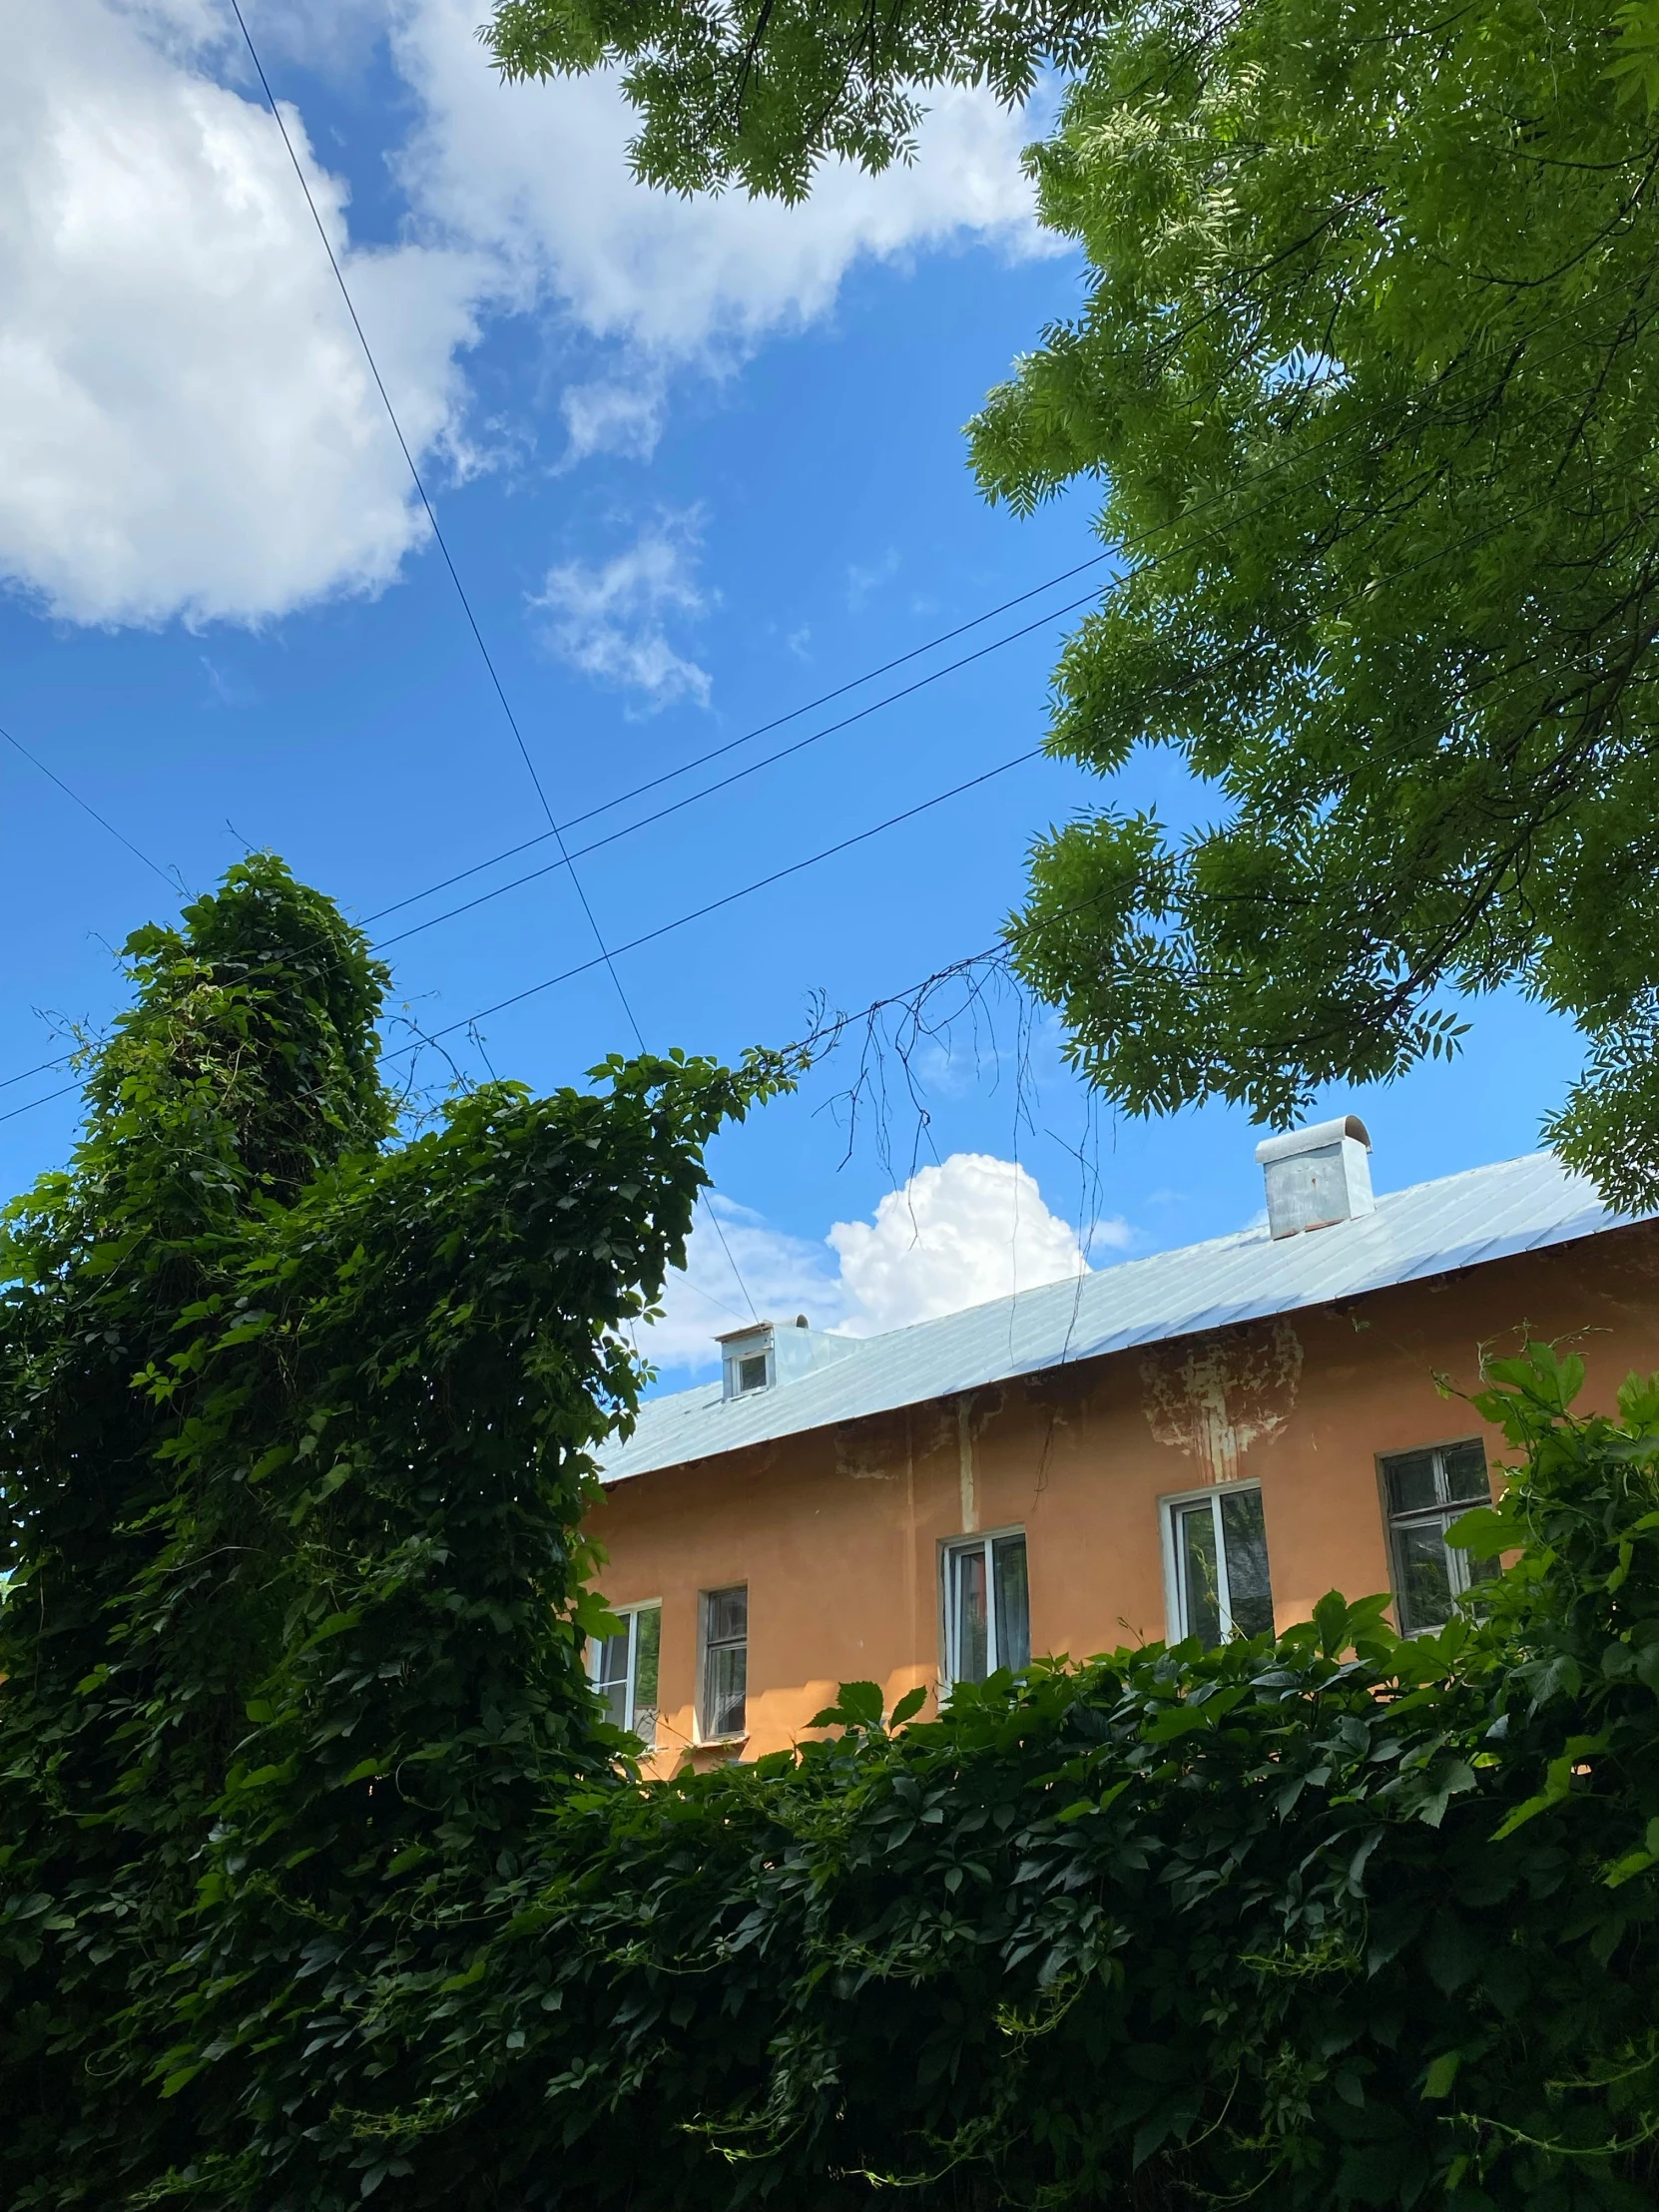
x: 1201, y: 1441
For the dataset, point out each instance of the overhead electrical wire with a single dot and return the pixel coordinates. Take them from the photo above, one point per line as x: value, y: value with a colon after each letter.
x: 1127, y: 544
x: 87, y: 808
x: 43, y: 1101
x: 455, y: 578
x: 605, y: 957
x: 824, y: 699
x: 438, y: 537
x: 730, y: 898
x: 779, y: 721
x: 650, y: 936
x: 840, y: 691
x: 385, y: 400
x: 42, y: 1067
x: 691, y: 799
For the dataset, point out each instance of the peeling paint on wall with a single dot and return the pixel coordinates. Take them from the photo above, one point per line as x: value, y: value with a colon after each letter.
x: 1212, y: 1397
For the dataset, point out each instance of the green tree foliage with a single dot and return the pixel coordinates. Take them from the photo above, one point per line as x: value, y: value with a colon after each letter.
x: 1369, y: 368
x: 764, y: 91
x: 321, y: 1880
x: 297, y: 1440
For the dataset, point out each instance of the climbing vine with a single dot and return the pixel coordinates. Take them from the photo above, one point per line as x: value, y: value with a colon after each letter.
x: 297, y: 1426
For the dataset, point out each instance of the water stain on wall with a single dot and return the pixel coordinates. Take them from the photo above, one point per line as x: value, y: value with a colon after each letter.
x: 879, y: 1447
x: 1211, y: 1398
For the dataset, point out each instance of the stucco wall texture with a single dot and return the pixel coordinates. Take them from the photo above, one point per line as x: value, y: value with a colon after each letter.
x: 838, y: 1533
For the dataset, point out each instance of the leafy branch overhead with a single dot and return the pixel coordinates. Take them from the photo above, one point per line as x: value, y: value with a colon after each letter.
x: 1367, y: 369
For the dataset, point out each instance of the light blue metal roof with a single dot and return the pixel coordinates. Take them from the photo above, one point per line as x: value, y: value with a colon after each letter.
x: 1456, y: 1221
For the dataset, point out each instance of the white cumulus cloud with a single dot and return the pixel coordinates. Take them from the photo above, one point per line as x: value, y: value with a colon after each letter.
x: 188, y: 427
x: 540, y: 171
x: 610, y: 618
x: 971, y: 1229
x: 187, y: 423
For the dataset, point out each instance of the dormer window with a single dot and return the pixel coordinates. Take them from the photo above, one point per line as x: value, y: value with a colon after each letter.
x: 768, y: 1353
x: 746, y: 1360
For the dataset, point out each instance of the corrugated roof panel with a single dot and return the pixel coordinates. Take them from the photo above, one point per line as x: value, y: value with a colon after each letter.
x: 1457, y: 1221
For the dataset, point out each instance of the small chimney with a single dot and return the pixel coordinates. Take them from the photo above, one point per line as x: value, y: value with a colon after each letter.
x: 1317, y: 1176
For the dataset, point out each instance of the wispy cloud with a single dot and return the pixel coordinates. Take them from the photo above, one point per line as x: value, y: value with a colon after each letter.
x: 625, y: 418
x: 611, y: 618
x: 860, y: 582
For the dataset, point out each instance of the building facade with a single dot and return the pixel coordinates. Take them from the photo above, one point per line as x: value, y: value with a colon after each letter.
x: 1200, y: 1443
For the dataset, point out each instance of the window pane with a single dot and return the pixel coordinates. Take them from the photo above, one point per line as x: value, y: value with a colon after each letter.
x: 725, y: 1695
x: 968, y: 1583
x: 610, y: 1677
x: 1248, y: 1585
x: 724, y: 1661
x: 1014, y: 1605
x: 1411, y: 1481
x: 752, y: 1372
x: 1424, y: 1575
x: 1466, y: 1474
x: 648, y: 1636
x: 726, y: 1615
x: 1195, y: 1544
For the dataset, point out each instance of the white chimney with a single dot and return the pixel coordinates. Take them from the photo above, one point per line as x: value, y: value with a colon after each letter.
x: 1317, y: 1176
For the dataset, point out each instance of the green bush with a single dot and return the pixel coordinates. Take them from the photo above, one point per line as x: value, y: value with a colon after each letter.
x: 320, y: 1877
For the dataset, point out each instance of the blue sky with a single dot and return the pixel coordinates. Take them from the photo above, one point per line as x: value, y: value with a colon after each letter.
x: 697, y: 465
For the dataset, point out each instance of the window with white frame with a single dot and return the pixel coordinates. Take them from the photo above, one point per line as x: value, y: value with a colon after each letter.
x: 1425, y: 1492
x: 1216, y: 1554
x: 746, y: 1362
x: 623, y: 1669
x: 725, y: 1706
x: 987, y: 1607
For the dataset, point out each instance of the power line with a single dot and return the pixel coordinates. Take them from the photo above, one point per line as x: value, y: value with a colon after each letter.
x: 88, y: 809
x: 709, y: 790
x: 1125, y: 545
x: 714, y: 905
x: 825, y: 699
x: 44, y: 1068
x: 667, y: 928
x: 431, y: 516
x: 840, y: 690
x: 456, y: 575
x: 385, y: 400
x: 585, y: 967
x: 34, y: 1102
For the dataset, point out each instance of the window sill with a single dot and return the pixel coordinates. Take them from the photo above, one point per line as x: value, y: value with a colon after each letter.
x: 705, y: 1756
